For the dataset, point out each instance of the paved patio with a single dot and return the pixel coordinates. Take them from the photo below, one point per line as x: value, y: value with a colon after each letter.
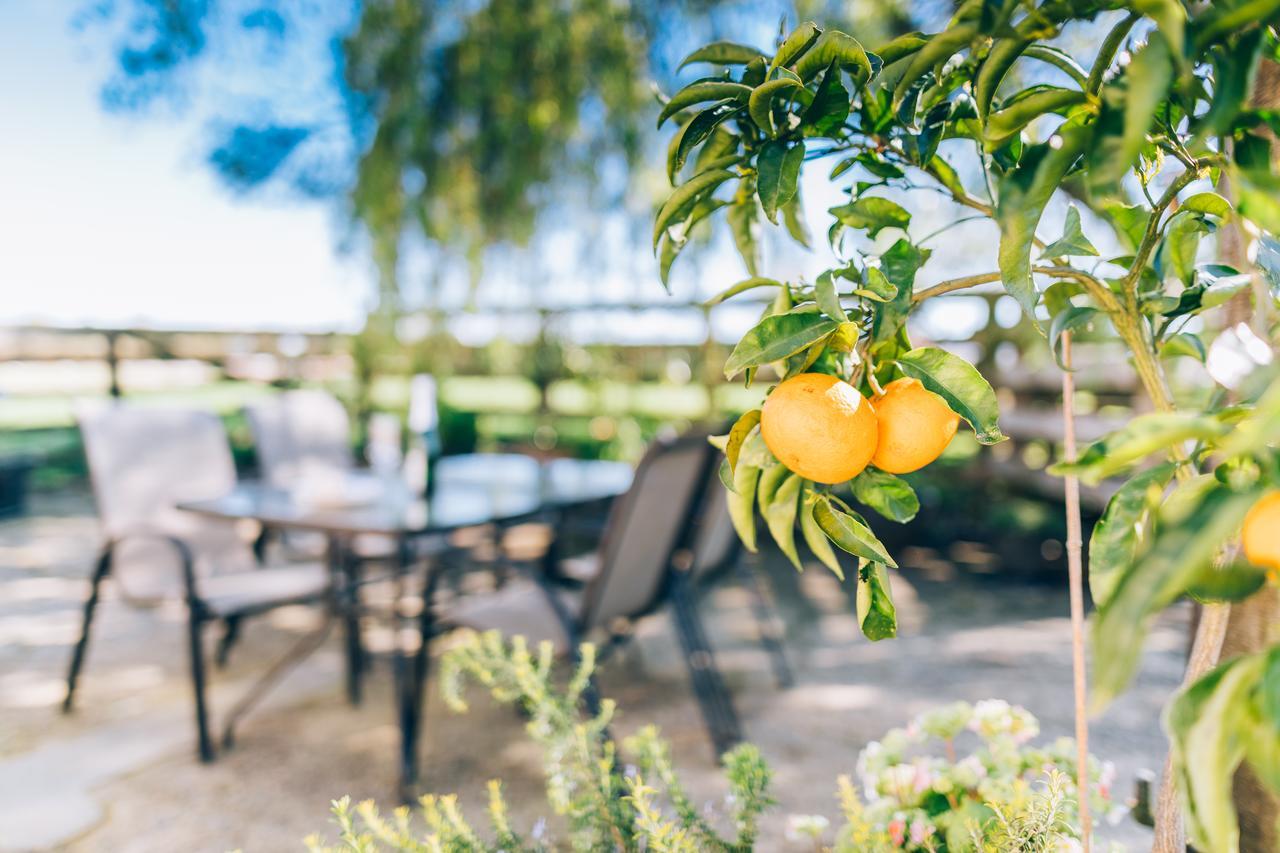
x: 120, y: 774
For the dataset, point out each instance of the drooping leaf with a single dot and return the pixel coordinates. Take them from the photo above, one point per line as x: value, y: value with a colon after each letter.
x: 723, y: 53
x: 873, y: 214
x: 741, y: 502
x: 1142, y: 436
x: 699, y: 93
x: 744, y: 225
x: 1072, y: 243
x: 889, y: 495
x: 694, y: 133
x: 1024, y: 192
x: 1127, y: 117
x: 817, y: 541
x: 1171, y: 17
x: 778, y: 171
x: 755, y: 452
x: 793, y: 218
x: 760, y: 105
x: 776, y: 337
x: 824, y: 291
x: 876, y: 614
x: 830, y: 106
x: 1123, y: 529
x: 1207, y: 202
x: 997, y: 63
x: 779, y: 508
x: 1191, y: 532
x: 1070, y: 319
x: 877, y: 286
x: 1176, y: 257
x: 799, y: 40
x: 849, y: 532
x: 683, y: 198
x: 738, y: 434
x: 1183, y: 344
x: 899, y: 266
x: 939, y: 48
x: 741, y: 287
x: 834, y: 46
x: 960, y: 384
x: 1010, y: 119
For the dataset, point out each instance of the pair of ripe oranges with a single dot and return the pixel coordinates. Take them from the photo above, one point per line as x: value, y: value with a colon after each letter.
x: 820, y: 427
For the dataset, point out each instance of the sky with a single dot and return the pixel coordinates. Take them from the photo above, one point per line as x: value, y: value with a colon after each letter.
x: 115, y: 220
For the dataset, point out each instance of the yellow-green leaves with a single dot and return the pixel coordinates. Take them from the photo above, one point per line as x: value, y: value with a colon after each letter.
x: 849, y: 531
x: 779, y: 495
x: 760, y: 104
x: 778, y: 170
x: 776, y: 337
x: 1021, y: 110
x: 1125, y: 527
x: 834, y: 46
x: 742, y: 504
x: 872, y: 214
x: 874, y: 603
x: 800, y: 39
x: 738, y: 434
x: 887, y: 494
x: 1142, y: 436
x: 741, y: 287
x: 817, y: 541
x: 960, y: 384
x: 828, y: 299
x: 681, y: 201
x: 1127, y: 114
x: 1072, y: 243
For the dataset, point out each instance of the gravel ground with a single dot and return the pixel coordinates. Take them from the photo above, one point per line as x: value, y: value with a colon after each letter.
x: 963, y: 636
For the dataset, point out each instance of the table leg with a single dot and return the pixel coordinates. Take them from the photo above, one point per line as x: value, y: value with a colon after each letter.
x: 347, y: 571
x: 412, y: 672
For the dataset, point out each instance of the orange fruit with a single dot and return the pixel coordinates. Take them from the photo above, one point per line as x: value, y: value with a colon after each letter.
x: 916, y: 425
x: 820, y: 427
x: 1261, y: 534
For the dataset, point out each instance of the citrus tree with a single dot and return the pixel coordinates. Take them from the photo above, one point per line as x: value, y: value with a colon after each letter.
x: 1141, y: 136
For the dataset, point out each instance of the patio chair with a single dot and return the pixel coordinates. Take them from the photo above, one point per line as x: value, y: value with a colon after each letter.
x: 143, y: 461
x: 670, y: 531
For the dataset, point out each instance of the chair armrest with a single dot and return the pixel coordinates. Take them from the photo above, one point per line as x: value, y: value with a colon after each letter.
x: 180, y: 547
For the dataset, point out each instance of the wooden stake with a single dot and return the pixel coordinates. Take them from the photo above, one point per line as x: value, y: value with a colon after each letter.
x: 1075, y: 577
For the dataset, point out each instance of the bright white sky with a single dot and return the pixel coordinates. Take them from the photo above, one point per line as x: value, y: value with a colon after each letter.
x: 108, y: 219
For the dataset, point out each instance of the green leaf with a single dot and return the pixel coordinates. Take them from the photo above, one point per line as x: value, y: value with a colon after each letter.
x: 940, y: 47
x: 830, y: 105
x: 877, y: 286
x: 722, y: 53
x: 947, y: 176
x: 1207, y: 202
x: 1010, y: 120
x: 741, y: 287
x: 1191, y: 531
x: 760, y: 105
x: 741, y: 502
x: 1234, y: 582
x: 1003, y: 53
x: 901, y: 47
x: 694, y: 133
x: 778, y: 504
x: 834, y: 46
x: 1072, y: 243
x: 817, y: 541
x: 887, y: 494
x: 744, y: 225
x: 778, y: 171
x: 738, y: 434
x: 1059, y: 59
x: 1024, y: 192
x: 800, y: 39
x: 793, y: 217
x: 755, y: 452
x: 1177, y: 254
x: 1072, y: 318
x: 1170, y: 17
x: 873, y: 214
x: 681, y: 201
x: 1184, y: 344
x: 876, y: 614
x: 849, y: 533
x: 698, y: 93
x: 1138, y: 439
x: 824, y: 291
x: 677, y: 236
x: 899, y: 266
x: 960, y: 385
x: 1131, y: 102
x: 1130, y: 222
x: 776, y: 337
x: 1123, y: 529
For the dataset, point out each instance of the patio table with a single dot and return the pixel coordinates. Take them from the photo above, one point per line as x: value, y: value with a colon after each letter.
x: 470, y: 490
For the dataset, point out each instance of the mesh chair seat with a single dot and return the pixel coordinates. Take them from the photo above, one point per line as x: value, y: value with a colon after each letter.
x: 241, y: 592
x: 520, y: 607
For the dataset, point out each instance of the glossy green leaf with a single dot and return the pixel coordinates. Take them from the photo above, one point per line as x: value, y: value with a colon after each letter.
x: 877, y: 286
x: 901, y: 47
x: 723, y: 53
x: 699, y: 93
x: 1234, y: 582
x: 1024, y: 192
x: 682, y: 200
x: 777, y: 175
x: 830, y: 106
x: 738, y: 434
x: 1069, y: 320
x: 741, y: 287
x: 1207, y: 202
x: 993, y: 70
x: 947, y: 176
x: 694, y: 133
x: 755, y: 452
x: 1176, y: 257
x: 959, y: 384
x: 1059, y: 59
x: 797, y: 42
x: 1138, y: 439
x: 1184, y: 344
x: 939, y: 49
x: 1191, y: 532
x: 776, y: 337
x: 1146, y: 83
x: 874, y: 604
x: 849, y: 533
x: 1011, y: 119
x: 817, y: 541
x: 873, y: 214
x: 744, y: 225
x: 889, y: 495
x: 741, y: 502
x: 834, y: 46
x: 760, y: 104
x: 1072, y: 243
x: 1170, y: 16
x: 899, y: 266
x: 778, y: 504
x: 824, y: 291
x: 793, y: 218
x: 1124, y: 529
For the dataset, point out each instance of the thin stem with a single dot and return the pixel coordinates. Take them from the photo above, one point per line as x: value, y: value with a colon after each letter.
x: 954, y: 284
x: 1075, y: 575
x: 961, y: 221
x: 1152, y: 234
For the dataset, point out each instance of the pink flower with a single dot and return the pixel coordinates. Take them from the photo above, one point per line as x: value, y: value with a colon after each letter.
x: 920, y: 831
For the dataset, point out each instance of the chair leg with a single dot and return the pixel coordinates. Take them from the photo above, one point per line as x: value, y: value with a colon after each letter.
x: 350, y: 605
x: 228, y: 639
x: 82, y: 644
x: 718, y: 712
x: 767, y: 622
x: 195, y: 625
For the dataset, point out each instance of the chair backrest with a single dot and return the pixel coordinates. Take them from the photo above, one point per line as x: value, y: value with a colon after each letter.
x: 298, y: 429
x: 716, y: 544
x: 644, y: 527
x: 144, y: 460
